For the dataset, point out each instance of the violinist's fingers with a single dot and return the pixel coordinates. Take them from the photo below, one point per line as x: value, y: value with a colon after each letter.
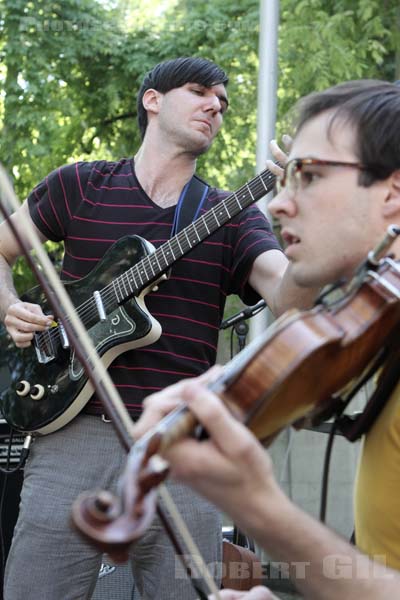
x: 256, y: 593
x: 158, y: 405
x: 231, y: 437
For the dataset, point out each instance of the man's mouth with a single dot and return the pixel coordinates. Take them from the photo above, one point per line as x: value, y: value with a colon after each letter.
x: 205, y: 123
x: 289, y: 238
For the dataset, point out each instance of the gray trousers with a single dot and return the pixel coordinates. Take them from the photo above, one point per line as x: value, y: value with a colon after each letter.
x: 48, y: 560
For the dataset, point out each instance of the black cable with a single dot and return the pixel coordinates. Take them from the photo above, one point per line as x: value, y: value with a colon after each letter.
x: 23, y: 456
x: 325, y: 473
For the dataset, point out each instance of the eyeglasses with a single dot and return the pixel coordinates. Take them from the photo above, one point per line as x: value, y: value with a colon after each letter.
x: 294, y: 179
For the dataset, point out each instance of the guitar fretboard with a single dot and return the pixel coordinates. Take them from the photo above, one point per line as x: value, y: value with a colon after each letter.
x: 152, y: 266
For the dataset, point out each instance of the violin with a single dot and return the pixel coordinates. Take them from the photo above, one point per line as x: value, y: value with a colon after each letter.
x: 298, y: 369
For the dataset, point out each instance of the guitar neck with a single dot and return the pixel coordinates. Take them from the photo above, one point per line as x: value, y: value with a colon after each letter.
x: 155, y: 264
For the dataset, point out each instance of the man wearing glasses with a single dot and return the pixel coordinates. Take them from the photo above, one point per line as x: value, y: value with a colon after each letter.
x: 339, y: 192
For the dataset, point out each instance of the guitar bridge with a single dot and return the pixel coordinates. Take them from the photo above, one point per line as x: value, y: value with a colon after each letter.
x: 44, y: 347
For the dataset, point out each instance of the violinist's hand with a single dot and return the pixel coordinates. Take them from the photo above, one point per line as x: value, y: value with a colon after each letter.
x: 256, y: 593
x: 158, y: 405
x: 279, y: 155
x: 23, y: 319
x: 230, y: 468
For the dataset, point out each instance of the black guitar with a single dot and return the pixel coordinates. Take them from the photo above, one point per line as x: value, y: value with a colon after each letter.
x: 48, y: 386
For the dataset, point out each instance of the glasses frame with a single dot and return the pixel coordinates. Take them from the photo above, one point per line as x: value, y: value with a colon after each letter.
x: 295, y: 165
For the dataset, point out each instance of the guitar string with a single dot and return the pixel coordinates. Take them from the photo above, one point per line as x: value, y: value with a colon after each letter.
x: 258, y: 186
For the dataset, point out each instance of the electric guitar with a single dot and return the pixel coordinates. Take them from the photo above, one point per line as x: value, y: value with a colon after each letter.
x: 48, y: 386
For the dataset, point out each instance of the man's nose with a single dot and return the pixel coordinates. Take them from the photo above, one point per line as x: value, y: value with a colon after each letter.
x: 282, y: 204
x: 213, y: 104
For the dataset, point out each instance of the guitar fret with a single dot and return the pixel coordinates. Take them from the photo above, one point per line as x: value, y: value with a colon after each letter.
x: 226, y: 209
x: 164, y: 257
x: 248, y: 187
x: 116, y: 291
x: 171, y: 250
x: 193, y: 230
x: 156, y: 260
x: 123, y: 283
x: 205, y: 225
x: 237, y: 200
x: 180, y: 247
x: 150, y: 265
x: 134, y: 279
x: 188, y: 241
x: 139, y: 275
x: 119, y: 286
x: 262, y: 181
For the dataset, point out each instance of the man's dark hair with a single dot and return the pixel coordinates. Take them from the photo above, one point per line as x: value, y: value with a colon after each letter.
x: 372, y: 108
x: 172, y: 74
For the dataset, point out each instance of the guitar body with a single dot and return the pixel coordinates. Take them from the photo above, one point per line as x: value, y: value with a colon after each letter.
x: 66, y: 388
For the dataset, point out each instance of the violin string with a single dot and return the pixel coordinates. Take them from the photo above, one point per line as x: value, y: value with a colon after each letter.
x: 188, y: 540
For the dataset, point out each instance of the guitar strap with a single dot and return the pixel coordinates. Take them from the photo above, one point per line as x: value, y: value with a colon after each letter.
x: 189, y: 204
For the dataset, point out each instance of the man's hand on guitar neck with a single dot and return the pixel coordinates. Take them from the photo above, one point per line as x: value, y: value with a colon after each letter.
x: 23, y: 319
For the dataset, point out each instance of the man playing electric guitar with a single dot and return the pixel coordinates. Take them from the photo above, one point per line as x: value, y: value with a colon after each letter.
x: 90, y: 206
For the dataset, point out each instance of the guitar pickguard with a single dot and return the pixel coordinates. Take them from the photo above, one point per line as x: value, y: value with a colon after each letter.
x: 103, y: 334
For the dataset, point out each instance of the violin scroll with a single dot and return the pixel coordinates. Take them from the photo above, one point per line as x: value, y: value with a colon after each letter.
x: 113, y: 522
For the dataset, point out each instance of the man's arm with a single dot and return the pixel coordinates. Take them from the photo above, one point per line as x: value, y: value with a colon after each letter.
x: 21, y: 319
x: 234, y: 472
x: 271, y: 276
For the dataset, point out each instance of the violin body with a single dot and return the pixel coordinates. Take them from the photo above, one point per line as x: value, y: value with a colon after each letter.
x: 310, y: 356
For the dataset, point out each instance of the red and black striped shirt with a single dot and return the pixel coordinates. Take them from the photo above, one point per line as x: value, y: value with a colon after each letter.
x: 90, y: 205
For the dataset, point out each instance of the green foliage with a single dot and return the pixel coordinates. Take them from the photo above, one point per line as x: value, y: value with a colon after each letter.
x: 323, y: 42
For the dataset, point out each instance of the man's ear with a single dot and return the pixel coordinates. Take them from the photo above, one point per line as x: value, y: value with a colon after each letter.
x: 391, y: 207
x: 151, y: 100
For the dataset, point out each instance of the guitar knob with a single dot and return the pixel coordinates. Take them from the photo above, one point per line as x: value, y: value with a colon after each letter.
x: 22, y: 388
x: 37, y: 392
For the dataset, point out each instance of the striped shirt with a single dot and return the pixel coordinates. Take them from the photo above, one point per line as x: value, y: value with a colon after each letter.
x: 91, y: 205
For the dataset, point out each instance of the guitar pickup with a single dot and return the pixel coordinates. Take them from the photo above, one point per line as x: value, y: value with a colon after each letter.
x: 44, y: 346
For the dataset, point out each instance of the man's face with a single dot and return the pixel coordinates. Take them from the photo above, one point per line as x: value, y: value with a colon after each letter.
x: 191, y: 115
x: 330, y: 222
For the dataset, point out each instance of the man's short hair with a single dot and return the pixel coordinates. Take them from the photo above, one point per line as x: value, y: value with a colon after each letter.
x: 372, y: 108
x: 174, y: 73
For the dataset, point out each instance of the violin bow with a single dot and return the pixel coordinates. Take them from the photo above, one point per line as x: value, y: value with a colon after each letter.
x: 95, y: 369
